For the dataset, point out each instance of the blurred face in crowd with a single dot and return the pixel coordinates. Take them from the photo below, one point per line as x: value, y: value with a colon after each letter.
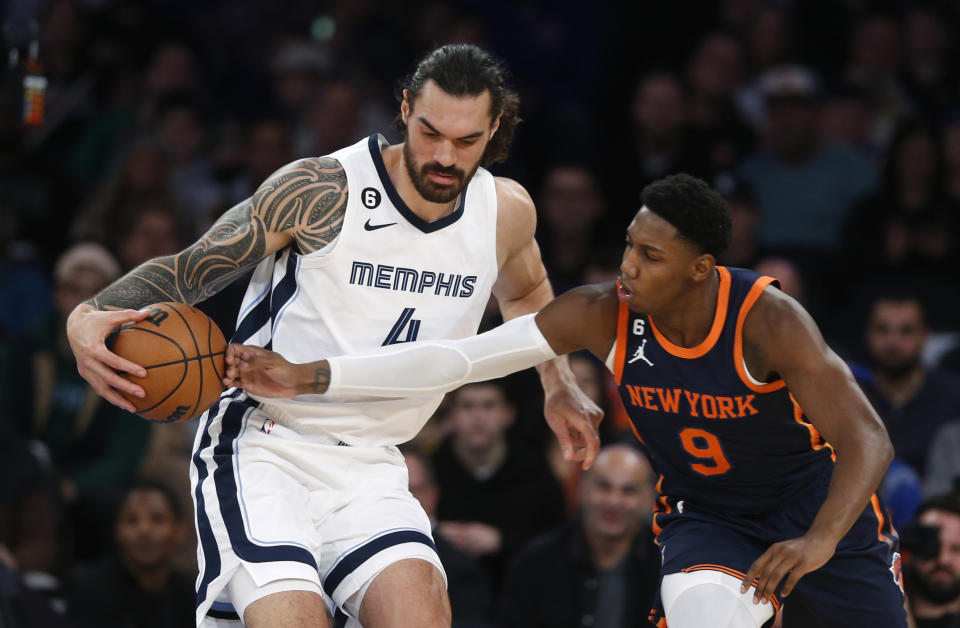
x: 715, y: 70
x: 616, y: 495
x: 938, y: 579
x: 785, y: 272
x: 171, y: 69
x: 148, y: 530
x: 793, y: 127
x: 78, y: 286
x: 895, y: 336
x: 481, y: 415
x: 446, y: 138
x: 145, y: 168
x: 876, y: 44
x: 571, y: 202
x: 846, y: 119
x: 181, y: 132
x: 659, y: 107
x: 768, y: 38
x: 422, y: 485
x: 154, y: 233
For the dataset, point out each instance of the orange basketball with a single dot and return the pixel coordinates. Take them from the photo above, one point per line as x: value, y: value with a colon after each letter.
x: 182, y: 351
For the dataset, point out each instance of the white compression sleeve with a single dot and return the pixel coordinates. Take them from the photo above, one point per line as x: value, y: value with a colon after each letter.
x: 437, y: 366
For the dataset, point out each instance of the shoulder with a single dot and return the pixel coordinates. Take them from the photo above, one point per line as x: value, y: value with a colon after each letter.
x: 774, y: 315
x: 781, y: 332
x: 514, y: 204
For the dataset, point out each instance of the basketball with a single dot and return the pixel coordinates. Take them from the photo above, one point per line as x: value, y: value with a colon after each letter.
x: 182, y: 351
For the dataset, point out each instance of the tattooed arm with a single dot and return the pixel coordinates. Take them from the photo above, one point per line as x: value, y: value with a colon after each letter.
x: 302, y: 204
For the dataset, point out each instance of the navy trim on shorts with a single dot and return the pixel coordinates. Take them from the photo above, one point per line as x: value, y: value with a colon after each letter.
x: 362, y: 554
x: 340, y: 618
x: 208, y: 543
x: 226, y: 483
x: 427, y: 227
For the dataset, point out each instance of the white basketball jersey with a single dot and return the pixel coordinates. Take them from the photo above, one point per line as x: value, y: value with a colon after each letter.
x: 389, y: 277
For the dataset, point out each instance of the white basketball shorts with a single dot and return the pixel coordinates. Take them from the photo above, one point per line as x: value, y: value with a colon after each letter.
x: 290, y: 506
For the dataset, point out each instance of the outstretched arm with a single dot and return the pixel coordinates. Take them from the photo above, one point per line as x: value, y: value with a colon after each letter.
x: 302, y: 203
x: 784, y: 339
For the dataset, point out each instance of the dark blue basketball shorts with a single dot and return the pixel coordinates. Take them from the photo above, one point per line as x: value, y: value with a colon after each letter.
x: 860, y: 587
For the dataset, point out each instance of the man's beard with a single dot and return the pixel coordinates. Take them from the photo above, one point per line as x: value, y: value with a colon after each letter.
x: 429, y: 190
x: 897, y: 370
x: 937, y: 592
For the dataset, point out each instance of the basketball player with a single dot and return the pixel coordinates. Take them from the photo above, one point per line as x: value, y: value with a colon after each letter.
x: 768, y: 453
x: 306, y: 498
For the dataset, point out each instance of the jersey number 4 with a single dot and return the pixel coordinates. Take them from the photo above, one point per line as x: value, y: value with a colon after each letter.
x: 705, y: 446
x: 407, y: 321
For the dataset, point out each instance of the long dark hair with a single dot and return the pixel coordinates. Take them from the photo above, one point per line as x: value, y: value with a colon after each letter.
x: 468, y: 70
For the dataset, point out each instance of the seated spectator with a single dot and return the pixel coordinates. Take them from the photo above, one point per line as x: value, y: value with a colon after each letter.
x: 137, y: 586
x: 804, y: 185
x: 94, y: 446
x: 931, y: 575
x: 468, y: 586
x: 601, y: 570
x: 493, y: 496
x: 912, y: 400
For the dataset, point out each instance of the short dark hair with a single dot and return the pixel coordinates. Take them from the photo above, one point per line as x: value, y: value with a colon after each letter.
x: 898, y: 291
x: 948, y: 502
x: 158, y: 487
x: 697, y: 211
x: 468, y: 70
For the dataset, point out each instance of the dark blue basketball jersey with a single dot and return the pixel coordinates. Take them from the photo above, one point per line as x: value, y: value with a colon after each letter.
x: 719, y: 439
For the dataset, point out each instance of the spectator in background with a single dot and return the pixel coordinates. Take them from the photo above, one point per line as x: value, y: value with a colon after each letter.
x: 718, y: 138
x: 926, y: 72
x: 493, y: 496
x: 907, y: 226
x: 912, y: 400
x: 874, y: 67
x: 786, y: 272
x: 94, y: 446
x: 804, y: 185
x: 950, y: 134
x: 932, y: 582
x: 142, y: 177
x: 846, y: 120
x: 660, y: 143
x: 136, y: 586
x: 943, y: 464
x: 146, y: 232
x: 468, y: 584
x: 600, y: 570
x: 571, y: 205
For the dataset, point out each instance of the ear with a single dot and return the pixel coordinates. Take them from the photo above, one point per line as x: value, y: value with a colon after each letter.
x: 702, y: 267
x: 495, y: 126
x: 405, y: 106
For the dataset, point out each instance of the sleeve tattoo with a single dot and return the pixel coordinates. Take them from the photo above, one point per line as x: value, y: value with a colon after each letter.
x: 306, y: 199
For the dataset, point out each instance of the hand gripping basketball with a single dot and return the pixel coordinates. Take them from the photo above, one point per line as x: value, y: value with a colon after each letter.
x: 181, y: 351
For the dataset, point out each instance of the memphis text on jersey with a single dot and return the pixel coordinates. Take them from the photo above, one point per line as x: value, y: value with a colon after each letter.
x: 679, y: 401
x: 410, y: 280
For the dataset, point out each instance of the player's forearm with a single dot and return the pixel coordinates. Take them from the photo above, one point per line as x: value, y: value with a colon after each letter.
x: 433, y: 367
x: 553, y: 373
x: 862, y: 460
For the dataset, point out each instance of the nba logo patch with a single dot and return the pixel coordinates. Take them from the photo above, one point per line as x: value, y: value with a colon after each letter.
x: 267, y: 426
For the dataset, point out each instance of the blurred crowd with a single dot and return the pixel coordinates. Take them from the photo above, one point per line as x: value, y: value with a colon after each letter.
x: 831, y: 127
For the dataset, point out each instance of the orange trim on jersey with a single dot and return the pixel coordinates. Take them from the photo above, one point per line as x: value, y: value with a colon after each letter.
x: 755, y: 291
x: 875, y: 502
x: 660, y: 507
x: 739, y: 575
x: 623, y: 316
x: 816, y: 440
x: 719, y: 318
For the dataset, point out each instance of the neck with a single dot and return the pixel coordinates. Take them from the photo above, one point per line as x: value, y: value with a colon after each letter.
x: 149, y: 577
x: 688, y: 322
x: 396, y: 166
x: 900, y: 390
x: 481, y: 459
x: 925, y: 609
x: 607, y: 551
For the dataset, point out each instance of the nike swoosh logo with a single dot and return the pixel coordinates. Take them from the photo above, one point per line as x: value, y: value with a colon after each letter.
x: 370, y: 227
